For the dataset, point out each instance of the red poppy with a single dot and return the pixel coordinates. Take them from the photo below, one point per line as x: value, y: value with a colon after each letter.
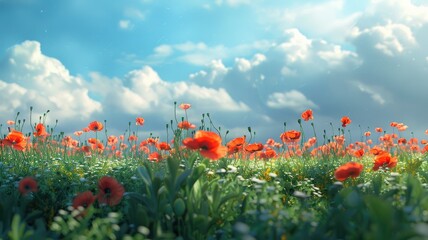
x: 291, y: 136
x: 186, y: 125
x: 345, y: 121
x: 384, y: 160
x: 78, y: 133
x: 27, y: 185
x: 267, y: 154
x: 41, y: 131
x: 95, y: 126
x: 359, y: 153
x: 84, y: 199
x: 235, y: 144
x: 426, y: 131
x: 350, y: 169
x: 378, y: 129
x: 112, y: 140
x: 86, y: 149
x: 92, y: 140
x: 209, y: 144
x: 110, y: 191
x: 393, y: 124
x: 16, y: 139
x: 377, y: 151
x: 10, y: 122
x: 254, y: 147
x: 154, y: 156
x: 163, y: 146
x: 139, y: 121
x: 185, y: 106
x: 425, y: 149
x: 132, y: 138
x: 401, y: 127
x: 307, y: 115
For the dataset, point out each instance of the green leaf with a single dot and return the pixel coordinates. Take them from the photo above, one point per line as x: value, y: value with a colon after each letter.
x: 145, y: 174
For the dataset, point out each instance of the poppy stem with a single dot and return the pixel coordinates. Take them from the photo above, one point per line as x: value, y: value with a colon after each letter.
x: 212, y: 125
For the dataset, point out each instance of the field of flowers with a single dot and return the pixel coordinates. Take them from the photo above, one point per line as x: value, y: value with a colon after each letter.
x: 196, y: 185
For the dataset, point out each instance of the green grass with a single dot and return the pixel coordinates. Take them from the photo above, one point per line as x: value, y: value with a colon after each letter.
x: 187, y: 196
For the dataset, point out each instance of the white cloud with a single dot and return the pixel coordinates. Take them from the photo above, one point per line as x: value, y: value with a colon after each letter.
x: 200, y: 54
x: 390, y: 39
x: 29, y: 78
x: 398, y: 11
x: 324, y: 19
x: 375, y: 95
x: 163, y: 50
x: 296, y: 47
x: 337, y: 56
x: 125, y: 24
x: 245, y: 65
x: 293, y: 100
x: 216, y: 72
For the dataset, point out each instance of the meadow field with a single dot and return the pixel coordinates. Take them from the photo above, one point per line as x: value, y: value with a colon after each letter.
x: 198, y: 183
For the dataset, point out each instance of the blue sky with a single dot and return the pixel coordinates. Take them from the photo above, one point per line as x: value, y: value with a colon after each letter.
x: 249, y: 63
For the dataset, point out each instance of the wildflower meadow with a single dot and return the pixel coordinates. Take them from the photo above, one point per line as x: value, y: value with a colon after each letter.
x: 199, y: 183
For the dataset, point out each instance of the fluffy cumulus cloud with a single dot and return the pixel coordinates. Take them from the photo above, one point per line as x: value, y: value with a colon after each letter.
x: 29, y: 78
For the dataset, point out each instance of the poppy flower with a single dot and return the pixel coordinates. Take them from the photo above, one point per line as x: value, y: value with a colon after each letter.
x: 112, y: 140
x: 78, y: 133
x: 359, y: 153
x: 291, y: 136
x: 110, y: 191
x: 254, y: 147
x: 426, y: 132
x: 378, y: 129
x: 10, y: 122
x: 84, y: 199
x: 41, y: 131
x: 163, y: 146
x: 235, y: 144
x: 95, y: 126
x: 27, y: 185
x: 384, y: 160
x: 16, y: 139
x: 425, y: 149
x: 345, y: 121
x: 154, y: 156
x: 208, y: 143
x: 350, y: 169
x: 307, y: 115
x: 132, y: 138
x: 401, y: 127
x: 185, y: 106
x: 185, y: 125
x: 139, y: 121
x: 393, y: 124
x: 267, y: 154
x: 92, y: 140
